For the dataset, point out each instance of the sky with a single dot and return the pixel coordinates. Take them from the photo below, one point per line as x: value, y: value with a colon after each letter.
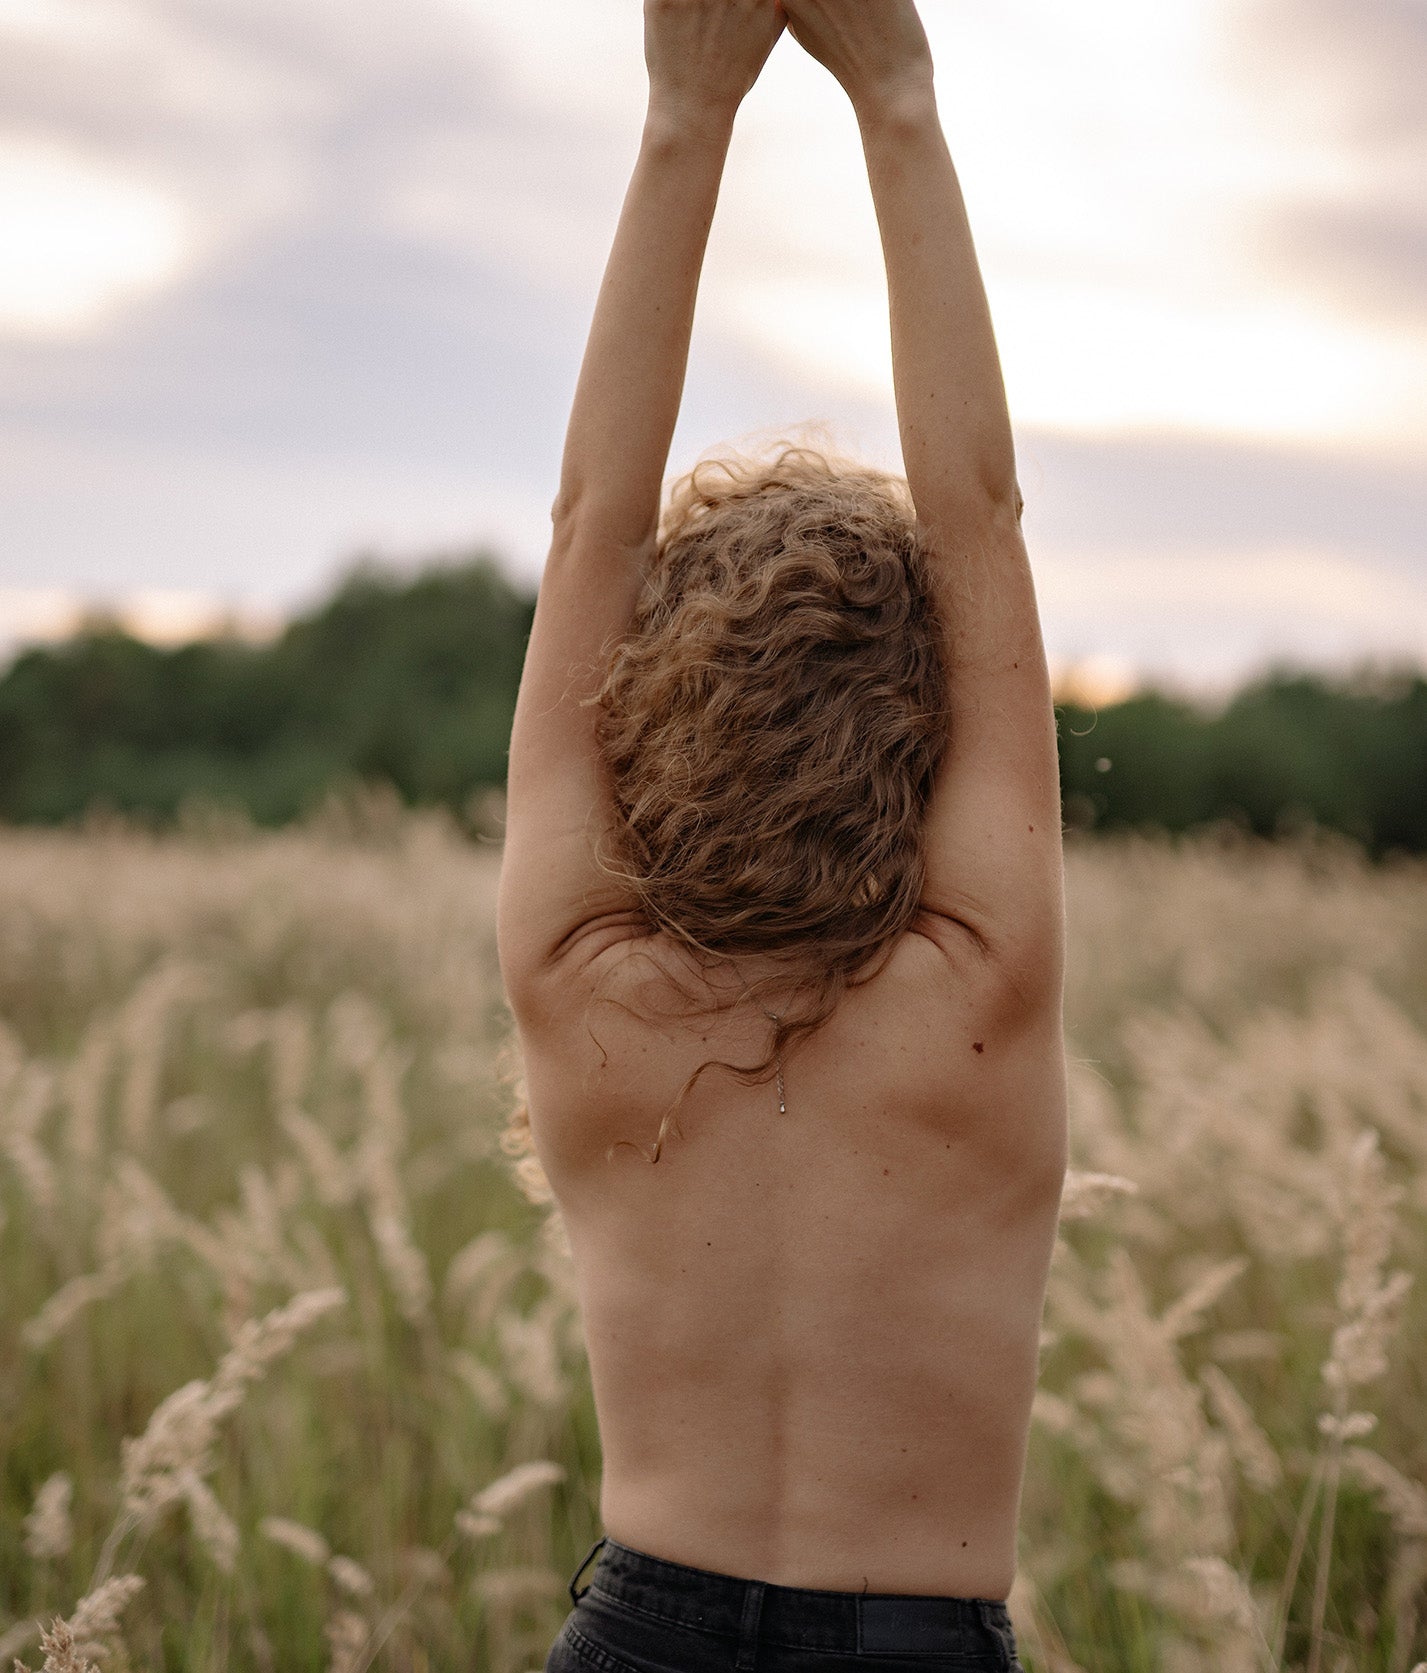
x: 283, y: 282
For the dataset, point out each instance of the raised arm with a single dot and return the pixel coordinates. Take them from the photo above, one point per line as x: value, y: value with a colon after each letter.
x: 993, y: 826
x: 702, y: 57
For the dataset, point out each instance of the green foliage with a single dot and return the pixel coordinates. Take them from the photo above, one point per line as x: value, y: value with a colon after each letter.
x: 1290, y: 750
x: 411, y: 680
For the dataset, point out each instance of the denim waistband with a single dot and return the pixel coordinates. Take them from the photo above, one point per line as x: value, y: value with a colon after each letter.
x: 795, y: 1616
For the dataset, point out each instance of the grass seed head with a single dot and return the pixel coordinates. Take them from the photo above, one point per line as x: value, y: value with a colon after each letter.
x: 296, y: 1537
x: 48, y: 1531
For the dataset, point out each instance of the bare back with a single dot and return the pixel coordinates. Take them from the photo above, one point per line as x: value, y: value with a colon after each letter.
x: 812, y: 1335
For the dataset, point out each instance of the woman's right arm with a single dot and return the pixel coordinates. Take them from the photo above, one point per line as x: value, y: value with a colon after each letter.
x: 993, y: 829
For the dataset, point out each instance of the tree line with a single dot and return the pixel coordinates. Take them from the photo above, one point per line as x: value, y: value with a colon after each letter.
x: 411, y: 680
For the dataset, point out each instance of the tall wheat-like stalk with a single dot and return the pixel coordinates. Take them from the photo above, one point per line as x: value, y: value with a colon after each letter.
x: 167, y: 1464
x: 241, y: 1067
x: 1368, y: 1298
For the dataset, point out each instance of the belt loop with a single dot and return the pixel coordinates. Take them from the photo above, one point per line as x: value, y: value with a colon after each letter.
x: 991, y: 1618
x: 748, y: 1628
x: 574, y: 1595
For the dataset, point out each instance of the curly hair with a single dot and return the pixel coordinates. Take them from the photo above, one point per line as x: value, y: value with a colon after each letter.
x: 772, y: 725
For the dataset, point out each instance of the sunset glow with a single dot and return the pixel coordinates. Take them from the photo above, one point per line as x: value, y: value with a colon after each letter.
x: 80, y: 241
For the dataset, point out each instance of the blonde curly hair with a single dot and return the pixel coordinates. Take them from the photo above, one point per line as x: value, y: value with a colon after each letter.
x: 772, y: 724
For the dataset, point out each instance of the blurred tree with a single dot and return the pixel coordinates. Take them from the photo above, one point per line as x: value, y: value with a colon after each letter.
x: 1290, y: 749
x: 411, y: 679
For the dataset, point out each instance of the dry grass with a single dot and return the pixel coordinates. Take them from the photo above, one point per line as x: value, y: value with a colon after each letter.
x: 291, y: 1374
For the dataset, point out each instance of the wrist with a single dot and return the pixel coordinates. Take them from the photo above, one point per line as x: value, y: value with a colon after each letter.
x: 899, y: 104
x: 674, y: 116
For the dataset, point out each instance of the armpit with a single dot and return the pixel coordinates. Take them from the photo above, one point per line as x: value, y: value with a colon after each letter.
x: 595, y: 936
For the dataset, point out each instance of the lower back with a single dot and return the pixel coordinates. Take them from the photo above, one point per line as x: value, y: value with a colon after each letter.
x: 813, y: 1335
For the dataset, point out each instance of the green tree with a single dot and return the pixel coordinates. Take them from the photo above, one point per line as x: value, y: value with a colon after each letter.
x: 411, y: 679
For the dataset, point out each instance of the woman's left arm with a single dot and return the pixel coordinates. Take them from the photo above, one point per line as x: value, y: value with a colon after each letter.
x: 703, y: 56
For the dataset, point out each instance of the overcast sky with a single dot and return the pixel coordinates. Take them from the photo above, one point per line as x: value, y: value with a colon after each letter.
x: 284, y: 280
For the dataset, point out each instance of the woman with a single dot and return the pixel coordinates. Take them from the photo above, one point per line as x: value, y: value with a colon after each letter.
x: 781, y: 926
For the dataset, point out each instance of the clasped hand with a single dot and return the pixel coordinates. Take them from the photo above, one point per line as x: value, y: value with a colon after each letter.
x: 706, y: 54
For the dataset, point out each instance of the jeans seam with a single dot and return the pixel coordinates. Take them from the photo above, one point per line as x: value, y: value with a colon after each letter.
x: 591, y: 1652
x: 650, y: 1614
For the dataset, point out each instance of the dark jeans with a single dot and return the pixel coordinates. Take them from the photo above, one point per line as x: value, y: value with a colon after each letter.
x: 642, y: 1614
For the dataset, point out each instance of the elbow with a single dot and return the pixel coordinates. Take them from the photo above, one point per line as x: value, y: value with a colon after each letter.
x: 999, y: 490
x: 562, y: 509
x: 569, y: 522
x: 580, y: 518
x: 980, y: 493
x: 980, y: 509
x: 576, y: 499
x: 1002, y: 503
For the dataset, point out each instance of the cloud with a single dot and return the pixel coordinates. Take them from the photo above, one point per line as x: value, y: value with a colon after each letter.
x: 322, y: 336
x: 1347, y: 76
x: 257, y: 117
x: 1364, y: 258
x: 396, y: 219
x: 1208, y: 614
x: 1355, y: 64
x: 1142, y: 493
x: 251, y: 531
x: 156, y: 96
x: 80, y: 241
x: 1202, y: 559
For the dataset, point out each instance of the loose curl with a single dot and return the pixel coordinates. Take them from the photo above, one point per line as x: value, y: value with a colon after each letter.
x: 772, y: 725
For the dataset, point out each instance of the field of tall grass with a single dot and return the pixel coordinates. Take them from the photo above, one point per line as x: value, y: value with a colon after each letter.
x: 291, y: 1375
